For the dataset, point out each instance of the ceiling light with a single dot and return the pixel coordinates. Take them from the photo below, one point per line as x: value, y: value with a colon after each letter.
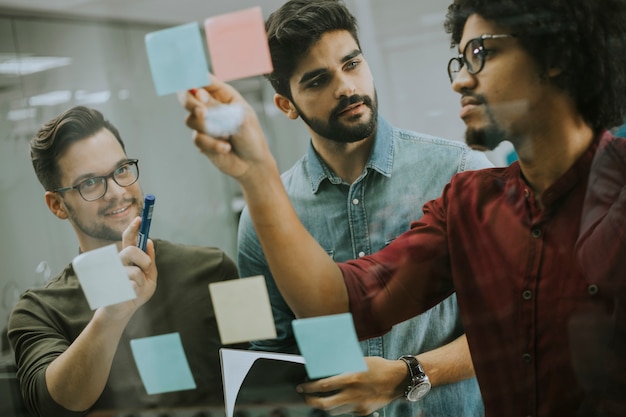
x: 50, y: 99
x: 24, y: 65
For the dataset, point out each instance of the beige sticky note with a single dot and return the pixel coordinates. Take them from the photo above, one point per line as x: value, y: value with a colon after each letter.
x: 237, y: 44
x: 242, y: 310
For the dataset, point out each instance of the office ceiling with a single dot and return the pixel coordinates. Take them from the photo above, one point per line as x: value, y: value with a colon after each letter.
x: 164, y: 12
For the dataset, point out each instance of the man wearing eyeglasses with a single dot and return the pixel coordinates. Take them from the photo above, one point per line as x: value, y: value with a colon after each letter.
x: 550, y: 77
x: 71, y: 359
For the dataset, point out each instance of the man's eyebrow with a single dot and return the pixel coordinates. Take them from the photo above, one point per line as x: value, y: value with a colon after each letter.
x: 352, y: 55
x: 314, y: 73
x: 89, y: 175
x: 311, y: 74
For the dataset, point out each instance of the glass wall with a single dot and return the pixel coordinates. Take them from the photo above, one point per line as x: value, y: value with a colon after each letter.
x: 50, y: 64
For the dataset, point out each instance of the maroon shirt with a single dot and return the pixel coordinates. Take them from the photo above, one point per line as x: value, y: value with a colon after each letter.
x: 524, y: 301
x: 601, y: 249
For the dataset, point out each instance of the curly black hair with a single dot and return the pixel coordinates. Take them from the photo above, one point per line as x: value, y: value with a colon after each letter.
x: 584, y: 38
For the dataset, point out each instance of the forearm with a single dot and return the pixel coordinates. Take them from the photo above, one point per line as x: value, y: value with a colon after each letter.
x: 306, y: 276
x: 78, y: 376
x: 308, y: 279
x: 449, y: 363
x: 387, y: 379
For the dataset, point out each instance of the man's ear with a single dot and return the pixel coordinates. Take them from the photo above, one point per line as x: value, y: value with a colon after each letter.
x: 55, y: 205
x: 286, y: 106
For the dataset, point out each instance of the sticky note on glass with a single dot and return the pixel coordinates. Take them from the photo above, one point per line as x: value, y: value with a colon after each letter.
x: 103, y: 278
x: 238, y: 45
x: 242, y: 310
x: 177, y: 59
x: 162, y: 363
x: 329, y: 345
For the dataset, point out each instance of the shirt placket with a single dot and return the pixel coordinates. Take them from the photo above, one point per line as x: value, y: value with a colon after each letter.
x: 359, y: 236
x: 529, y: 311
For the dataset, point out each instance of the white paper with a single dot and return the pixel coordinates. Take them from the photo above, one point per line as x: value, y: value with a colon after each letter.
x: 103, y: 277
x: 242, y: 310
x: 235, y: 366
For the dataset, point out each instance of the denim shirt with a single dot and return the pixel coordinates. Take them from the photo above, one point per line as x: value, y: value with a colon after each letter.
x: 404, y: 171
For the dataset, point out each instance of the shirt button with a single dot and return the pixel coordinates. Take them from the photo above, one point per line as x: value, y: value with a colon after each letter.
x: 592, y: 289
x: 536, y: 232
x: 527, y: 295
x: 375, y: 414
x: 355, y: 201
x: 361, y: 254
x: 526, y: 358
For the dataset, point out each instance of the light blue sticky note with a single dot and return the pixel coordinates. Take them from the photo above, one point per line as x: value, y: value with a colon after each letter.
x: 329, y: 345
x: 162, y: 363
x: 177, y: 58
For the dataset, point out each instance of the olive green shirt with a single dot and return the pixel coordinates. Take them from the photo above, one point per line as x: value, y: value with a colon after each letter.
x: 47, y: 320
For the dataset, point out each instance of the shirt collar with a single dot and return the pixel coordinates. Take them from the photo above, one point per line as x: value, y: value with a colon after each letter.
x: 380, y: 160
x: 517, y: 188
x: 577, y: 172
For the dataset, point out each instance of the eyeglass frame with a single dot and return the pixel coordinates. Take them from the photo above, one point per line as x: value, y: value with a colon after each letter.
x: 104, y: 179
x: 481, y: 53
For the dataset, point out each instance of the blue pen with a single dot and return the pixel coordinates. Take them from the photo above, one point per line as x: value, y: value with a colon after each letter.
x: 146, y: 219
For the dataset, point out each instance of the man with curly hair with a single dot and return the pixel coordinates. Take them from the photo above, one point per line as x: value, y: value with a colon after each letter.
x: 550, y: 77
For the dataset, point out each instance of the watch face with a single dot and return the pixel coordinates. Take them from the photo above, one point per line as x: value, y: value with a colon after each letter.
x: 419, y: 391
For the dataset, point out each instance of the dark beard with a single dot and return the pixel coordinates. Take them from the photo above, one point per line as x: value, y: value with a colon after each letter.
x: 96, y: 230
x: 335, y: 130
x: 485, y: 139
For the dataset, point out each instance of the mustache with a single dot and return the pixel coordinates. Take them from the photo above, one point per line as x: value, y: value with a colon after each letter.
x: 479, y: 98
x: 115, y: 203
x: 348, y: 101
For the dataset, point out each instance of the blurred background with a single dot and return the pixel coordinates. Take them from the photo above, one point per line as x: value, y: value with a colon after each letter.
x: 55, y: 54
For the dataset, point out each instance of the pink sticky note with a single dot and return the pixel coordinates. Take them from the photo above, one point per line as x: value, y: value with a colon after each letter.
x: 237, y: 44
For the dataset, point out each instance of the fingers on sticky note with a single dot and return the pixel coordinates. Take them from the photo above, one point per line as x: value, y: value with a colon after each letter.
x: 237, y: 44
x: 102, y: 277
x: 242, y: 310
x: 223, y: 120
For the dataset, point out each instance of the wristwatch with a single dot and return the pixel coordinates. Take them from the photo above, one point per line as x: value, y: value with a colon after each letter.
x: 420, y: 384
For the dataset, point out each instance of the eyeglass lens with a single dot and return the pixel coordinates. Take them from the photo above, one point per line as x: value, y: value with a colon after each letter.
x: 94, y: 188
x: 472, y: 57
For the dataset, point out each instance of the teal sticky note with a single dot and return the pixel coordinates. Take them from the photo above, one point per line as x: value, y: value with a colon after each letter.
x: 162, y: 363
x: 329, y: 345
x: 177, y: 59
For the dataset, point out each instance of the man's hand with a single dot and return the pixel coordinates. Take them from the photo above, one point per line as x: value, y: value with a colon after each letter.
x: 358, y: 393
x: 77, y: 377
x: 243, y: 155
x: 142, y: 273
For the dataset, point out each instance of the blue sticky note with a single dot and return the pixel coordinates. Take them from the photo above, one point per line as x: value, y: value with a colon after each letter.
x: 162, y: 363
x: 329, y: 345
x: 177, y: 59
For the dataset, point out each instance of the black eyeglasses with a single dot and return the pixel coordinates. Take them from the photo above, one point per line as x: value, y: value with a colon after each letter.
x: 94, y: 188
x: 473, y: 56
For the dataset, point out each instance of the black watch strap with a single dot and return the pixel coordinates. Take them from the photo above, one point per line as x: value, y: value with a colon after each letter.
x: 416, y: 374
